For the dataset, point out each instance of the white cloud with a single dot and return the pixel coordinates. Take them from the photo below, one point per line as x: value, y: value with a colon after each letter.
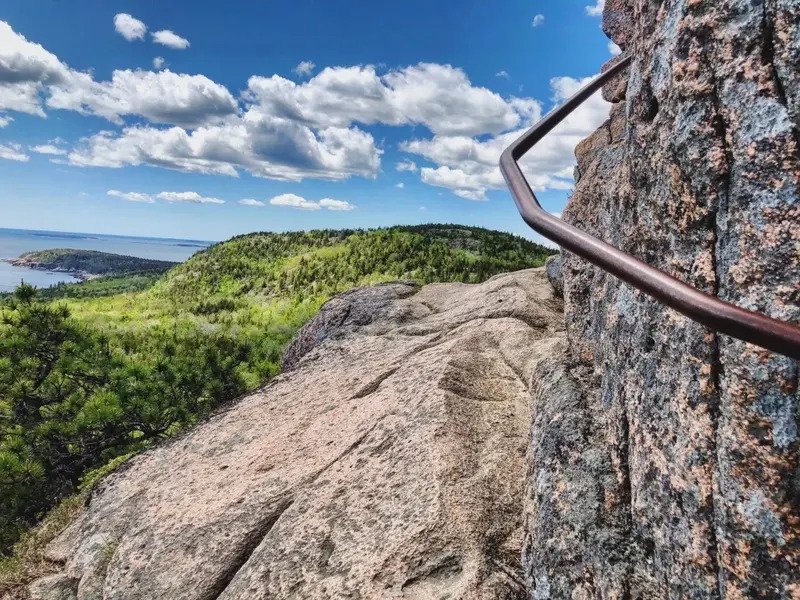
x: 25, y: 68
x: 502, y: 75
x: 400, y: 185
x: 31, y: 77
x: 167, y: 38
x: 468, y: 166
x: 129, y: 27
x: 160, y: 97
x: 440, y: 97
x: 263, y: 146
x: 614, y: 49
x: 305, y: 68
x: 192, y: 197
x: 284, y: 130
x: 295, y: 201
x: 423, y: 208
x: 13, y: 152
x: 5, y: 120
x: 407, y: 165
x: 537, y: 21
x: 50, y: 149
x: 596, y: 10
x: 332, y: 204
x: 250, y: 202
x: 158, y: 63
x: 131, y: 196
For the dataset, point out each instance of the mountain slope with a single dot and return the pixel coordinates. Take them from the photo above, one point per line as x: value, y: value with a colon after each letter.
x: 330, y: 261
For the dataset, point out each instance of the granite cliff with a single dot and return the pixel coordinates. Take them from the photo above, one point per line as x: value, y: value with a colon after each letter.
x: 664, y: 458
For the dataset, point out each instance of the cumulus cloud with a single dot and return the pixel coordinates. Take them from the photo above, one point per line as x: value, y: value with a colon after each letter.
x: 167, y: 38
x: 131, y: 196
x: 263, y: 146
x: 191, y: 197
x: 129, y: 27
x: 468, y: 165
x: 13, y: 152
x: 298, y: 202
x: 250, y: 202
x: 158, y: 63
x: 614, y: 49
x: 537, y: 21
x: 596, y: 10
x: 502, y: 75
x: 305, y: 68
x: 25, y: 68
x: 332, y: 204
x: 440, y: 97
x: 160, y: 97
x: 294, y: 201
x: 407, y: 165
x: 31, y: 77
x: 50, y: 149
x: 287, y: 130
x: 400, y: 185
x: 5, y: 120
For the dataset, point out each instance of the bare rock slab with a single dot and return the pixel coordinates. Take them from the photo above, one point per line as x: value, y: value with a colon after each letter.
x: 389, y: 463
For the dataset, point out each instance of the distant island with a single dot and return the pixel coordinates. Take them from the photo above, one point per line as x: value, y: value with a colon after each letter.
x: 88, y: 264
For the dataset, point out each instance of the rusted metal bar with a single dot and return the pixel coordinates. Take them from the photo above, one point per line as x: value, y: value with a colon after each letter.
x: 711, y: 311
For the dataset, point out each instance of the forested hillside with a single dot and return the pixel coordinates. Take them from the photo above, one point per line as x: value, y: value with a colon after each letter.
x: 92, y: 372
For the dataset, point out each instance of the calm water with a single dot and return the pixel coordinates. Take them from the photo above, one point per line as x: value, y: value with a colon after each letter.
x: 14, y: 242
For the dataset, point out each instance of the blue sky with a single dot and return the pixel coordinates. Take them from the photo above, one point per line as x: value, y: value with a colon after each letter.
x: 150, y: 118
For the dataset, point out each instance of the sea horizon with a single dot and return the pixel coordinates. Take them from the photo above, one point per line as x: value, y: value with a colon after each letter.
x: 90, y: 235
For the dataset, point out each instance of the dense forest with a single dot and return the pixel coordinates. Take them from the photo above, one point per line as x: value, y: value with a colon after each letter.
x: 91, y: 373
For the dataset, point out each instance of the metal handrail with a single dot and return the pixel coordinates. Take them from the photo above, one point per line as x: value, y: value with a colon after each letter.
x: 722, y: 316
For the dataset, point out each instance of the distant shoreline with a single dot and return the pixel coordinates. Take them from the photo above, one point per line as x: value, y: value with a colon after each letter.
x: 77, y: 274
x: 87, y: 264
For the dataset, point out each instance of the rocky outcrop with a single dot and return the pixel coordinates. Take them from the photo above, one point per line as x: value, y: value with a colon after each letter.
x: 679, y: 477
x: 342, y: 314
x: 388, y: 463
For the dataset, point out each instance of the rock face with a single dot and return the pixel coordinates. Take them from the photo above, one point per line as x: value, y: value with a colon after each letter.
x: 389, y: 463
x: 679, y: 475
x: 554, y: 275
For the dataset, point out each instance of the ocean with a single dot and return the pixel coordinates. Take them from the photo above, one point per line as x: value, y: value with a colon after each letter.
x: 14, y: 242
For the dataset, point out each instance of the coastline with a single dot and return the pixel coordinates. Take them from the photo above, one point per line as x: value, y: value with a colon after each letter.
x: 78, y: 274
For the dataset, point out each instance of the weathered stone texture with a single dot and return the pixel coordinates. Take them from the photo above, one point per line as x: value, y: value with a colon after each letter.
x: 553, y: 269
x: 698, y: 487
x: 389, y: 463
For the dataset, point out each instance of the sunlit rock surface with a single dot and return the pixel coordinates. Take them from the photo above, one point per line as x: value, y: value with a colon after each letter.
x: 389, y: 463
